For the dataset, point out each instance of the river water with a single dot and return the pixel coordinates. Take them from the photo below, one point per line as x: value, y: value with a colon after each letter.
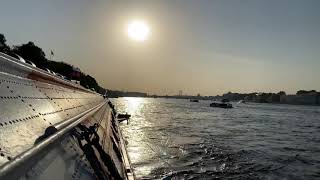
x: 178, y: 139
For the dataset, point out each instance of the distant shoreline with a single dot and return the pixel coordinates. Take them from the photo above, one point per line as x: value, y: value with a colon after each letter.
x: 308, y: 100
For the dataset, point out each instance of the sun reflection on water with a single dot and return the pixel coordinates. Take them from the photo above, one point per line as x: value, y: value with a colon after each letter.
x: 135, y: 133
x: 134, y: 105
x: 146, y: 148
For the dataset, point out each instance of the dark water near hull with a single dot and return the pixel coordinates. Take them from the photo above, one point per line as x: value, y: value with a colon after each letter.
x: 179, y: 139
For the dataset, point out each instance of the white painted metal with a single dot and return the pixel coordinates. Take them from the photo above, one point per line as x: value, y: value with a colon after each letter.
x: 32, y: 101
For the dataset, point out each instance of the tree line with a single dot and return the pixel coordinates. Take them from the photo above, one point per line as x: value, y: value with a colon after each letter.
x: 35, y: 54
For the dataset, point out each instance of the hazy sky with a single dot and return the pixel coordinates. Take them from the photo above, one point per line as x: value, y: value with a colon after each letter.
x: 198, y: 46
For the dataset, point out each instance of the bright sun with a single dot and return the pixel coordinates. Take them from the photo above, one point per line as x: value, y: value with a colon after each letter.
x: 138, y: 30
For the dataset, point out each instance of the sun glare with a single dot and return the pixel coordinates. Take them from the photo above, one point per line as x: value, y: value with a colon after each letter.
x: 138, y: 30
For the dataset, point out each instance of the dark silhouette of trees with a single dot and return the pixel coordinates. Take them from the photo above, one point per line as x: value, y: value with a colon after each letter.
x: 35, y: 54
x: 282, y: 93
x: 88, y: 82
x: 3, y: 46
x: 61, y: 68
x: 300, y: 92
x: 32, y: 53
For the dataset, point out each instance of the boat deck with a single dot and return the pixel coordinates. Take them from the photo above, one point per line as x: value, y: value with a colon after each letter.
x: 51, y: 128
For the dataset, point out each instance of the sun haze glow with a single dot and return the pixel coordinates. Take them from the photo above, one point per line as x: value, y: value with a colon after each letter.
x: 138, y: 30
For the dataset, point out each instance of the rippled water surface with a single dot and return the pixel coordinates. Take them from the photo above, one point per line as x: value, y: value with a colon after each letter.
x: 178, y: 139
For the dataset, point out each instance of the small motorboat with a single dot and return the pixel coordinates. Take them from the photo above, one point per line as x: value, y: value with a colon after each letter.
x: 221, y: 105
x: 124, y: 116
x: 194, y: 100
